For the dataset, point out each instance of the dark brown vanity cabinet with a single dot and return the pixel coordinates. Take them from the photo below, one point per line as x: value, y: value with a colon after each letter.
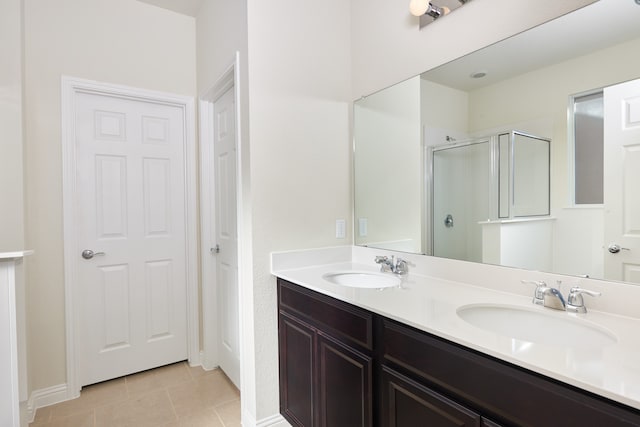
x: 344, y: 366
x: 497, y: 390
x: 326, y: 364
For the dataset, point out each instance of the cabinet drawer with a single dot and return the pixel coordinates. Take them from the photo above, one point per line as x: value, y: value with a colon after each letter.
x: 502, y: 391
x: 343, y: 321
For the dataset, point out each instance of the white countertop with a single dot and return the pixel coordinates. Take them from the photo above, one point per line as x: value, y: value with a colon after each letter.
x: 430, y: 304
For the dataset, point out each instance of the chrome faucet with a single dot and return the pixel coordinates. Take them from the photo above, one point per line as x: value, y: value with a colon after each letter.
x: 551, y: 297
x: 547, y: 296
x: 393, y: 265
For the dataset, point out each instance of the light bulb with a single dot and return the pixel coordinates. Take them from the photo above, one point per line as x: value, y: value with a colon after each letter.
x: 418, y: 7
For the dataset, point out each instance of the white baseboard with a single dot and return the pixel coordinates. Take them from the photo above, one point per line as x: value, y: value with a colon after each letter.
x: 273, y: 421
x: 207, y: 363
x: 46, y: 397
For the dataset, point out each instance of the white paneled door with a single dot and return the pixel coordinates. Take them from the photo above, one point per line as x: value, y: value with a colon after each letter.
x: 224, y: 147
x: 130, y: 186
x: 621, y: 180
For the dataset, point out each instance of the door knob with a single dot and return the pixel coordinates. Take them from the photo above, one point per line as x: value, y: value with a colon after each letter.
x: 614, y: 248
x: 88, y: 254
x: 448, y: 221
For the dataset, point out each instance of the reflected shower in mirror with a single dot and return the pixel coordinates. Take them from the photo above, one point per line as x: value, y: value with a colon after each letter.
x: 548, y: 215
x: 483, y: 188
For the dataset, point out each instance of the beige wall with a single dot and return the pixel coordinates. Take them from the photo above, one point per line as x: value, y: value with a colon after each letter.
x: 444, y: 111
x: 116, y: 41
x: 11, y: 147
x: 387, y: 167
x: 387, y: 46
x: 299, y: 68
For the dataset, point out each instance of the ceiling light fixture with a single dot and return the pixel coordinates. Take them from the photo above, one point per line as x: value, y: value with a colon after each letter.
x: 424, y: 7
x: 478, y: 74
x: 428, y: 12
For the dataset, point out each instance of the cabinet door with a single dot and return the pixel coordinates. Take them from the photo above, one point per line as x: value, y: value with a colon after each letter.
x: 344, y: 377
x: 406, y: 403
x: 296, y: 348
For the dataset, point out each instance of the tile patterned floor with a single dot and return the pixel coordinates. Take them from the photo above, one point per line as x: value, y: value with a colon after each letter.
x: 171, y: 396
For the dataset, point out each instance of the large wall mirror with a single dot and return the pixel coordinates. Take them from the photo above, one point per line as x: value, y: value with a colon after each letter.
x: 525, y: 153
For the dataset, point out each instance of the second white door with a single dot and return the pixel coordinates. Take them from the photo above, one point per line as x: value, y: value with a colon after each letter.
x: 621, y: 178
x: 224, y: 148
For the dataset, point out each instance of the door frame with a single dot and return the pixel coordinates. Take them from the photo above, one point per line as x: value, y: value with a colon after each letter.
x: 70, y: 87
x: 230, y: 78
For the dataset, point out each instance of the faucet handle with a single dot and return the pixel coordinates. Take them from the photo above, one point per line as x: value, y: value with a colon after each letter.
x: 386, y: 264
x: 575, y: 302
x: 380, y: 259
x: 533, y: 282
x: 538, y: 295
x: 402, y: 266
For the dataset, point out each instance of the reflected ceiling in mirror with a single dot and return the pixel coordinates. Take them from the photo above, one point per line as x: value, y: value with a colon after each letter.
x: 528, y: 83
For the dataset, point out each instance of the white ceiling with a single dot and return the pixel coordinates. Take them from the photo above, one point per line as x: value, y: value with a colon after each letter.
x: 186, y: 7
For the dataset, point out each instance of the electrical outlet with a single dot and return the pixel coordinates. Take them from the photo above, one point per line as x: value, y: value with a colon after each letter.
x: 362, y: 227
x: 341, y: 228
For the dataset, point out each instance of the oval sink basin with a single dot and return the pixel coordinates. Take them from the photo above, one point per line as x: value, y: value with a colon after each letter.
x: 362, y: 279
x: 535, y: 326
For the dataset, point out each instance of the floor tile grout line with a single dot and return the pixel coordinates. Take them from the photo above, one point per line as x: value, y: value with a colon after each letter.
x: 225, y: 402
x: 173, y: 406
x: 189, y: 370
x: 94, y: 407
x: 219, y: 417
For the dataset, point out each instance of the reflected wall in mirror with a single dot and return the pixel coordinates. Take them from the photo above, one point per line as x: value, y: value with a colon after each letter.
x: 388, y: 168
x: 529, y: 86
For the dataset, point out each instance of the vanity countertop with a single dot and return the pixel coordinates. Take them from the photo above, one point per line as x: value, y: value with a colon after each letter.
x: 430, y: 304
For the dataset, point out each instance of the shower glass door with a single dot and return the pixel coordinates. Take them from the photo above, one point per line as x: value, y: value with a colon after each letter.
x: 460, y: 190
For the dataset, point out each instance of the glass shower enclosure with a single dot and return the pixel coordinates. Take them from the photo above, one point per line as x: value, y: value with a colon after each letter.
x: 497, y: 179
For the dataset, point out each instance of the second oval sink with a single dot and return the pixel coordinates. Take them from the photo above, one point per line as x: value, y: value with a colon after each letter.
x: 362, y: 279
x: 535, y: 326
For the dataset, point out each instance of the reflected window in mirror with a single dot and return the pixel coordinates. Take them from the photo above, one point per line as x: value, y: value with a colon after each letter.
x: 588, y: 147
